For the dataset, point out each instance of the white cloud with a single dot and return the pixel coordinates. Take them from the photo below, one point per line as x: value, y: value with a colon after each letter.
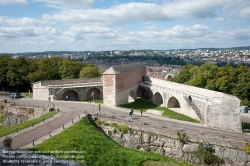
x: 22, y: 22
x: 15, y: 2
x: 68, y: 3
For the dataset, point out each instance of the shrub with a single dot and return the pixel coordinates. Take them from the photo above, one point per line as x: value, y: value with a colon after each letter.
x: 123, y: 128
x: 246, y: 148
x: 182, y: 137
x: 204, y: 152
x: 7, y: 142
x: 113, y: 124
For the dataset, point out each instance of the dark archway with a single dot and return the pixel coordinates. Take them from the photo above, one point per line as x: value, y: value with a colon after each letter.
x: 97, y: 94
x: 173, y: 103
x: 142, y: 93
x: 131, y: 96
x: 157, y: 98
x: 70, y: 95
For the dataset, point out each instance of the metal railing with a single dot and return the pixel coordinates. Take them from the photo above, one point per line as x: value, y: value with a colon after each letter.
x: 177, y: 92
x: 55, y: 132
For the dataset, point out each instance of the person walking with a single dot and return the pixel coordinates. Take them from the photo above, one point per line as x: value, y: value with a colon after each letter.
x: 141, y: 112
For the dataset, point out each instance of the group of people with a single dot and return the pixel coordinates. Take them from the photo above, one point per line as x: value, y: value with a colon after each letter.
x: 131, y: 113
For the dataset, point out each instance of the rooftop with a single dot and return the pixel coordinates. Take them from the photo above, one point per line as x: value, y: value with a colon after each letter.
x: 118, y: 69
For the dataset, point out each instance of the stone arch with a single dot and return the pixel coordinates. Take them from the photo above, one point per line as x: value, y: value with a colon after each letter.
x: 70, y: 95
x: 131, y: 96
x: 143, y: 94
x: 169, y: 77
x: 157, y: 98
x: 97, y: 94
x: 173, y: 103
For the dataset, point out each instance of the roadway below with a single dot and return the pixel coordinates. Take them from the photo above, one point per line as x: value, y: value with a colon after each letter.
x: 72, y: 109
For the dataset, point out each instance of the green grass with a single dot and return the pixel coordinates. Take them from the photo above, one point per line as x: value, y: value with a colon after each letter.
x: 8, y: 130
x: 99, y: 149
x: 29, y: 95
x: 97, y: 101
x: 141, y: 104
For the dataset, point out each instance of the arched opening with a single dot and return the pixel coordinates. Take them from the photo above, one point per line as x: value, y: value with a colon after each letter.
x: 131, y: 96
x: 142, y: 94
x: 158, y: 100
x: 70, y: 95
x: 173, y: 103
x: 97, y: 94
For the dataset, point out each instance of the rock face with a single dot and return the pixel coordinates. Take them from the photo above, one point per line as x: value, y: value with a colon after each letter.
x: 16, y: 115
x: 171, y: 146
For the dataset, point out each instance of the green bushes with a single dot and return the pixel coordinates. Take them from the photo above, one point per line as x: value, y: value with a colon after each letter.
x: 205, y: 153
x: 182, y: 137
x: 123, y: 128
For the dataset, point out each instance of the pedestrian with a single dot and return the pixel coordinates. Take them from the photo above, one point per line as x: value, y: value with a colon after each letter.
x: 130, y: 114
x: 190, y: 98
x: 141, y: 112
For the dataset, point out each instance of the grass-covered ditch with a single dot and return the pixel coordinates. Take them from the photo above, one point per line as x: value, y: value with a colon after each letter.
x: 99, y: 149
x: 144, y: 105
x: 8, y: 130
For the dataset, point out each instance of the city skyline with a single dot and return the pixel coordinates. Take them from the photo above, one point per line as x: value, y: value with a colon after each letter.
x: 96, y: 25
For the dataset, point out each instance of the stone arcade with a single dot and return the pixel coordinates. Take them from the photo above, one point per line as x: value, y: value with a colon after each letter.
x: 122, y: 84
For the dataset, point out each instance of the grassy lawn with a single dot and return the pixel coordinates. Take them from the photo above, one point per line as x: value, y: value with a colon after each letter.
x: 99, y: 149
x: 28, y: 95
x: 141, y: 104
x: 97, y: 101
x: 8, y: 130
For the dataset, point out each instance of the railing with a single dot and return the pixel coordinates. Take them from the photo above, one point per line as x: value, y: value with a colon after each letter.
x: 75, y: 85
x: 53, y: 133
x: 34, y: 105
x: 178, y: 92
x: 193, y: 106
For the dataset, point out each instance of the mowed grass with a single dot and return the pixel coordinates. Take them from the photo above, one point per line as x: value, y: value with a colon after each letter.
x: 99, y: 149
x: 8, y: 130
x: 28, y: 95
x: 97, y: 101
x: 144, y: 105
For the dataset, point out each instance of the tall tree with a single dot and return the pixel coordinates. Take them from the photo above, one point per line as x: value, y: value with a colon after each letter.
x: 89, y: 72
x: 4, y: 60
x: 17, y: 74
x: 69, y: 69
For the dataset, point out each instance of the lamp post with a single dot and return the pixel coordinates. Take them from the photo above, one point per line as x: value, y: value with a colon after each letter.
x: 93, y: 94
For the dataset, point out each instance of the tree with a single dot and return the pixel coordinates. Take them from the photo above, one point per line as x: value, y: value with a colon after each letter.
x: 69, y: 69
x: 185, y: 75
x: 45, y: 69
x: 17, y: 74
x: 89, y: 72
x: 4, y: 60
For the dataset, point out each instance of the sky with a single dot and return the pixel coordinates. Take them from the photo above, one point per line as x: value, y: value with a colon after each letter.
x: 104, y: 25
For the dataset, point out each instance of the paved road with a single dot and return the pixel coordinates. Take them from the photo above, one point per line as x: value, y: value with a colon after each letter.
x: 72, y: 109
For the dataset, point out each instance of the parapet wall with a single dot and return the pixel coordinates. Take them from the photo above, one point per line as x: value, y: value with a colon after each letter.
x: 164, y: 141
x: 70, y: 81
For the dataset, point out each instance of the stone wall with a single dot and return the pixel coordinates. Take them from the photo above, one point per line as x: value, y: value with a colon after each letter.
x: 70, y: 81
x: 165, y: 142
x: 17, y: 114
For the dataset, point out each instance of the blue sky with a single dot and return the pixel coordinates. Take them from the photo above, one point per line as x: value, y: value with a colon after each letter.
x: 95, y: 25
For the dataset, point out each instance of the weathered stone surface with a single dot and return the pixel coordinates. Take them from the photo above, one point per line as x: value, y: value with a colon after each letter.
x: 190, y: 147
x: 169, y: 143
x: 146, y: 137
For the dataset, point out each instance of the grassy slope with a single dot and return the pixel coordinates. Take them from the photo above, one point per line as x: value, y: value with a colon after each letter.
x: 140, y: 104
x: 8, y: 130
x: 100, y: 150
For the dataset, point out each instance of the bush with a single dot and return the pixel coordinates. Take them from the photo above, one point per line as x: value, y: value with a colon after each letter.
x: 123, y: 128
x: 246, y: 148
x: 204, y: 152
x: 7, y: 142
x: 182, y: 137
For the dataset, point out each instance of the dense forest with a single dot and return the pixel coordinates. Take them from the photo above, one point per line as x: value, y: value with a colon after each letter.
x: 227, y: 79
x: 19, y: 74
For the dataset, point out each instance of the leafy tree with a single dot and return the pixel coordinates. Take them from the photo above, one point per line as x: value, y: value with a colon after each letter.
x: 185, y: 74
x: 89, y: 72
x: 45, y: 69
x: 17, y: 74
x: 4, y: 60
x: 69, y: 69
